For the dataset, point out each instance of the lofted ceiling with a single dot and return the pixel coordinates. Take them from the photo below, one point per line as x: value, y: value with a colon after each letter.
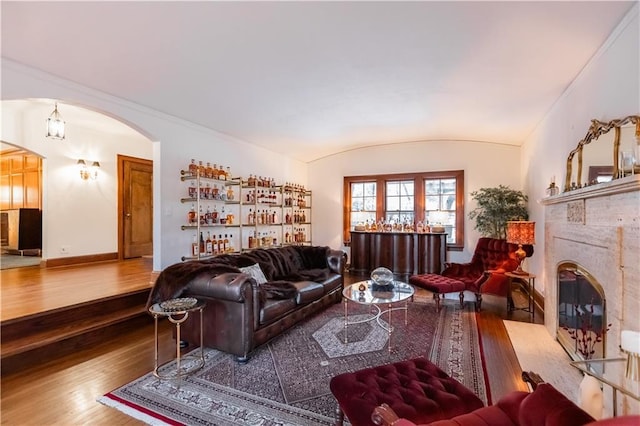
x: 310, y: 79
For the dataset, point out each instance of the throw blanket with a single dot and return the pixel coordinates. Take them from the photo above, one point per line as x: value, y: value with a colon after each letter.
x: 173, y: 281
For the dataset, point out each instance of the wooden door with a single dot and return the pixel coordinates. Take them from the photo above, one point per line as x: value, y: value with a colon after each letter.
x: 136, y: 207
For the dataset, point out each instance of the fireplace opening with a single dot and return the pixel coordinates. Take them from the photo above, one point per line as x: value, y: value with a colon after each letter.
x: 582, y: 319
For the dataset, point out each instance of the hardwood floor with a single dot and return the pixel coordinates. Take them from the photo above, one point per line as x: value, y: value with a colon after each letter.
x: 63, y: 390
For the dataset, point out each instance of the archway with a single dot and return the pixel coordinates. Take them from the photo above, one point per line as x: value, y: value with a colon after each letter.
x: 80, y: 216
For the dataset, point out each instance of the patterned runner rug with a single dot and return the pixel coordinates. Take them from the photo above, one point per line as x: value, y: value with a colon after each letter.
x: 286, y: 382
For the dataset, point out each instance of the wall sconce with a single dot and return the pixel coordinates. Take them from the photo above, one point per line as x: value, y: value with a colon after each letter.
x: 521, y: 232
x: 630, y: 344
x: 55, y: 125
x: 88, y: 172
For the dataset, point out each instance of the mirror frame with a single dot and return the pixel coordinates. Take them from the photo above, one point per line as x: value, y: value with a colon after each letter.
x: 597, y: 129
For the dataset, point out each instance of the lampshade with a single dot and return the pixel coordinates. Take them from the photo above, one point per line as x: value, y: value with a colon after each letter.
x: 55, y: 125
x: 521, y: 232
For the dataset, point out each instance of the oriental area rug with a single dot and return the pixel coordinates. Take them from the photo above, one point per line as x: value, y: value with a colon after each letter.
x: 286, y: 382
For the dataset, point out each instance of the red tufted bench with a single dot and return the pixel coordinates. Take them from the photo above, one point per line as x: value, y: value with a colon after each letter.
x: 415, y: 389
x: 439, y: 285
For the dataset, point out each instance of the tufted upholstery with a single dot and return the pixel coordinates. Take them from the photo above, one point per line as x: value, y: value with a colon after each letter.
x: 491, y: 254
x: 438, y: 285
x: 544, y: 406
x: 416, y: 389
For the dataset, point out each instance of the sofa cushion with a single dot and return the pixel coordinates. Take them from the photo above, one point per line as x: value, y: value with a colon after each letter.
x: 546, y: 406
x: 255, y: 272
x: 308, y: 291
x: 272, y: 309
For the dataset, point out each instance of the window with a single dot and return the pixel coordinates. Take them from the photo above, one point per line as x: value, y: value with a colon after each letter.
x: 363, y: 203
x: 399, y: 206
x: 440, y: 205
x: 428, y: 197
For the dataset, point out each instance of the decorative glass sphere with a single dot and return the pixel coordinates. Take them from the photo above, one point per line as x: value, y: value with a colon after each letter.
x: 382, y: 276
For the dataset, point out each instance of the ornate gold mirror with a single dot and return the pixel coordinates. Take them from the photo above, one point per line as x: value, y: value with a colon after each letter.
x: 608, y: 151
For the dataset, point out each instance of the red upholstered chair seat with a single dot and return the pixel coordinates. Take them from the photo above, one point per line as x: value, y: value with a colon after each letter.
x: 416, y: 389
x: 439, y: 285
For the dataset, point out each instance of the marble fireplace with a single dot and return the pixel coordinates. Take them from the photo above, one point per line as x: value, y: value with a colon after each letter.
x: 592, y: 263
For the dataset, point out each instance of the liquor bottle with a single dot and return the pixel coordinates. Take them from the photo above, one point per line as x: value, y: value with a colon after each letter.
x: 222, y: 175
x: 214, y: 215
x: 208, y: 171
x: 230, y: 195
x: 201, y: 216
x: 220, y: 244
x: 226, y: 243
x: 193, y: 168
x: 202, y: 247
x: 207, y: 216
x: 228, y: 172
x: 194, y: 246
x: 230, y: 247
x: 250, y: 217
x: 192, y: 189
x: 208, y: 244
x: 201, y: 169
x: 191, y: 216
x: 214, y: 171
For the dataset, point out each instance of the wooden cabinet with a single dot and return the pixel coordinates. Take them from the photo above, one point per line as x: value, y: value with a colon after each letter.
x: 20, y: 180
x: 23, y: 229
x: 404, y: 253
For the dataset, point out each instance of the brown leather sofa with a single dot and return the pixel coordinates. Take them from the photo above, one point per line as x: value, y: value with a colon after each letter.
x: 240, y: 314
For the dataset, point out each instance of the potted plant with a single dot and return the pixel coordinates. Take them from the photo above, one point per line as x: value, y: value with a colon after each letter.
x: 495, y: 207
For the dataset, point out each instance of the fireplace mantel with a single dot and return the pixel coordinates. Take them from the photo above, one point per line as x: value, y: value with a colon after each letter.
x: 616, y: 186
x: 598, y: 228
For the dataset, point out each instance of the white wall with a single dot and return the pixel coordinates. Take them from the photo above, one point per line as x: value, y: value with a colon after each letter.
x: 484, y: 165
x: 607, y: 88
x: 175, y: 142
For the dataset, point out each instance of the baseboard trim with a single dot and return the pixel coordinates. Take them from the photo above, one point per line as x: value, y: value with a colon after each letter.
x: 75, y: 260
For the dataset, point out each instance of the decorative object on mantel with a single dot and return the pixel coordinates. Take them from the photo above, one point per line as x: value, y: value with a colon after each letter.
x: 521, y: 232
x: 495, y: 207
x: 630, y: 345
x: 600, y: 169
x: 552, y: 189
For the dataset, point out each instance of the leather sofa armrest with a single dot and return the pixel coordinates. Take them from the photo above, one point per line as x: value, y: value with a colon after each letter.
x: 336, y: 259
x: 230, y: 286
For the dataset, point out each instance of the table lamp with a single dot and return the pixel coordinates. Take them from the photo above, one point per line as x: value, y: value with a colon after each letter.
x: 630, y: 344
x: 521, y: 232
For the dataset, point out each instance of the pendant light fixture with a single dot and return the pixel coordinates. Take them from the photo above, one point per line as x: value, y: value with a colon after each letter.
x: 55, y: 125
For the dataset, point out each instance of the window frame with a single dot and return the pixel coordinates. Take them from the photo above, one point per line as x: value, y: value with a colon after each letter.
x: 419, y: 197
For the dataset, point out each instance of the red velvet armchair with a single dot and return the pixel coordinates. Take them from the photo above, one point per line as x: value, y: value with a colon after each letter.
x: 484, y: 274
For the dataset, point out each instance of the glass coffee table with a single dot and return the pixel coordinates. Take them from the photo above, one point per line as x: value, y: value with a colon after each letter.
x: 380, y: 299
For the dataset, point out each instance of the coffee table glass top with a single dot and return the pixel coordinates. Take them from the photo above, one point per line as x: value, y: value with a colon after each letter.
x: 370, y: 295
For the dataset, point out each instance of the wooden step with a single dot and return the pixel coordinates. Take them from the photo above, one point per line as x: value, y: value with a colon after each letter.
x: 48, y: 328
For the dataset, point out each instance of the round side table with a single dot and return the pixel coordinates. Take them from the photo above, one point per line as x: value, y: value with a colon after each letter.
x: 177, y: 311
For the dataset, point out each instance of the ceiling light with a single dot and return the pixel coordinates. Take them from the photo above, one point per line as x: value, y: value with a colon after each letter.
x: 55, y: 125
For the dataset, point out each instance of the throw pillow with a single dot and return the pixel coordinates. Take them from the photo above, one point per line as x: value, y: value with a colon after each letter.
x: 255, y: 272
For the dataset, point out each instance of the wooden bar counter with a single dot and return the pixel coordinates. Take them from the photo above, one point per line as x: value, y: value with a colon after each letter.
x: 404, y: 253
